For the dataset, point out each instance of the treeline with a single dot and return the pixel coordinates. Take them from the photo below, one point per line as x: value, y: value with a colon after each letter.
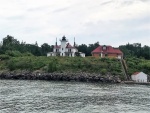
x: 129, y: 50
x: 10, y: 45
x: 135, y: 50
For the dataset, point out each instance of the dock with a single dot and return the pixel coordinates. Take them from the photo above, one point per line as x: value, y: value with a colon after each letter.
x: 132, y: 82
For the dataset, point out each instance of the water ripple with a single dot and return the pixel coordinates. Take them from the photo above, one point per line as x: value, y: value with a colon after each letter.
x: 72, y: 97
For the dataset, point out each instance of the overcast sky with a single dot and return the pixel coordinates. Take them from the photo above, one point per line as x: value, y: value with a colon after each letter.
x: 111, y: 22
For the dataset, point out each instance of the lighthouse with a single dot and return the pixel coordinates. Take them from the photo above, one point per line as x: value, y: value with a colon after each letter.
x: 63, y: 46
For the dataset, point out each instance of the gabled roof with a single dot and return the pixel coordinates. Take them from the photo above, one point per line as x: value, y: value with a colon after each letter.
x: 136, y: 73
x: 69, y: 46
x: 58, y: 46
x: 109, y: 49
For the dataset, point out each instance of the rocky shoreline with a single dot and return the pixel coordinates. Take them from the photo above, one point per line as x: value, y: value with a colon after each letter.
x: 83, y: 77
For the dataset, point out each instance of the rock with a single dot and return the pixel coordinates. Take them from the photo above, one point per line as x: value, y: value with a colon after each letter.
x: 84, y: 77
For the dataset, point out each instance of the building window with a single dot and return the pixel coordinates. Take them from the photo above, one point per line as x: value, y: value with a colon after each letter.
x: 69, y: 50
x: 57, y: 50
x: 104, y: 47
x: 62, y: 54
x: 62, y: 48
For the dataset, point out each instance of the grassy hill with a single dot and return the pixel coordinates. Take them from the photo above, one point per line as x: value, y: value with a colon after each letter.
x: 61, y: 64
x: 104, y: 66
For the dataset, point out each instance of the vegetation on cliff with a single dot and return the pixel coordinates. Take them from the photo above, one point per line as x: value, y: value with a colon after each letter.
x: 15, y: 55
x: 135, y: 64
x: 61, y: 64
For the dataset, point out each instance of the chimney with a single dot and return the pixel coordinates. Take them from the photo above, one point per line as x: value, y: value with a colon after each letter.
x: 56, y: 41
x: 74, y: 42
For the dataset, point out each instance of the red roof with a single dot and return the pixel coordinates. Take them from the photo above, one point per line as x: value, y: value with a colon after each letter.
x: 58, y: 46
x: 67, y: 46
x: 135, y: 73
x: 109, y: 49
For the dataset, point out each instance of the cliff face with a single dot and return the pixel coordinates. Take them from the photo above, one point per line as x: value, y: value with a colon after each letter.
x: 62, y: 68
x: 84, y: 77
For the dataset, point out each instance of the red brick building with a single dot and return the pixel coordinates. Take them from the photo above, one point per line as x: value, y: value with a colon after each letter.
x: 107, y: 51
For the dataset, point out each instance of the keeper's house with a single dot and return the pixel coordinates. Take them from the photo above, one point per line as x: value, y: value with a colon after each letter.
x: 107, y: 51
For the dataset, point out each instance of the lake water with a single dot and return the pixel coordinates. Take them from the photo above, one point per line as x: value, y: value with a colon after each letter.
x: 19, y: 96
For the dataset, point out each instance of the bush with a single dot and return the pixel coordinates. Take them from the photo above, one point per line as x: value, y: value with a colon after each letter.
x: 52, y: 67
x: 27, y: 65
x: 4, y: 57
x: 27, y: 54
x: 103, y: 71
x: 104, y: 59
x: 11, y: 65
x: 13, y: 53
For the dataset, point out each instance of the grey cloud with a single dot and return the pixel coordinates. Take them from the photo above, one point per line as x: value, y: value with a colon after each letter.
x: 106, y: 3
x: 123, y: 30
x: 127, y: 2
x: 106, y: 30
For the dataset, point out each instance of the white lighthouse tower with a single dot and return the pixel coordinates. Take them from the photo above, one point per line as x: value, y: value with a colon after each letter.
x: 63, y: 46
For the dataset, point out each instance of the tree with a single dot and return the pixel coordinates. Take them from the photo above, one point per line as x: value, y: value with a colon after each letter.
x: 45, y: 48
x: 82, y: 48
x: 91, y: 47
x: 9, y: 43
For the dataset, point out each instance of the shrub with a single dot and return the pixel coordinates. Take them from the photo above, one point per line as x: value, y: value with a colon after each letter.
x: 11, y: 65
x: 104, y: 59
x: 13, y: 53
x: 52, y: 67
x: 103, y: 71
x: 27, y: 54
x: 4, y: 57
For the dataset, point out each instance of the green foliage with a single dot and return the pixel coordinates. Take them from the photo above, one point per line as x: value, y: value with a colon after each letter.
x: 52, y: 66
x: 87, y: 49
x: 24, y: 65
x: 16, y: 55
x: 4, y: 57
x: 135, y: 50
x: 137, y: 64
x: 13, y: 53
x: 103, y: 71
x: 46, y: 48
x: 11, y: 44
x: 27, y: 54
x: 104, y: 59
x: 11, y: 65
x: 73, y: 64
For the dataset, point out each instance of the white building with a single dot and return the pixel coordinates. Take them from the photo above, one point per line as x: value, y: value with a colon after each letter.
x: 65, y: 49
x: 139, y: 77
